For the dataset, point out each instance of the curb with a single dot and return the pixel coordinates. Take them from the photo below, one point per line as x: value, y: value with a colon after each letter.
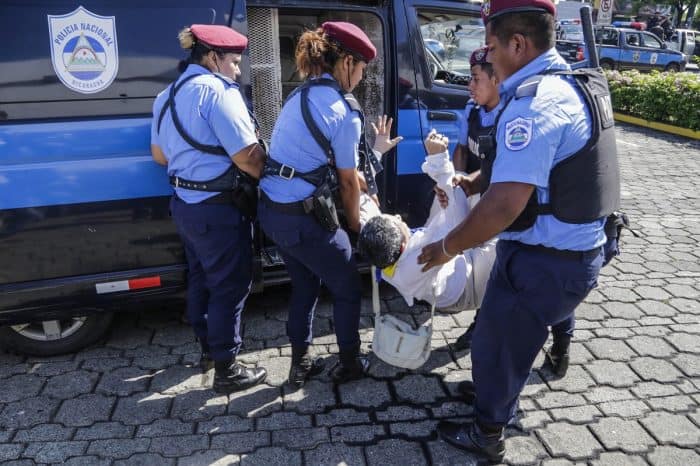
x: 666, y: 128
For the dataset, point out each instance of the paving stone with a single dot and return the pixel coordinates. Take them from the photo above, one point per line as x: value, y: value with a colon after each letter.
x: 300, y: 438
x: 655, y: 369
x: 418, y: 389
x: 148, y: 351
x: 98, y: 353
x: 119, y: 448
x: 533, y: 385
x: 85, y: 410
x: 559, y: 400
x: 619, y: 294
x: 577, y: 414
x: 142, y: 408
x: 614, y: 350
x: 11, y: 452
x: 621, y: 310
x: 616, y: 374
x: 524, y: 450
x: 625, y: 435
x: 105, y: 364
x: 417, y: 429
x: 656, y: 308
x: 6, y: 434
x: 264, y: 329
x: 682, y: 291
x: 364, y: 393
x: 588, y: 311
x: 225, y: 424
x: 615, y: 333
x: 650, y: 346
x: 49, y: 369
x: 672, y: 429
x: 685, y: 305
x: 20, y: 387
x: 260, y: 400
x: 685, y: 342
x: 279, y: 421
x: 618, y: 459
x: 104, y: 431
x: 43, y: 433
x: 240, y: 442
x: 211, y: 458
x: 179, y: 445
x: 198, y: 405
x: 364, y: 433
x: 395, y: 452
x: 27, y: 413
x: 688, y: 363
x: 450, y: 409
x: 273, y: 455
x: 124, y: 381
x: 653, y: 330
x: 332, y: 454
x: 677, y: 404
x: 315, y: 396
x: 145, y: 459
x: 90, y: 460
x: 178, y: 379
x: 453, y: 378
x: 277, y: 370
x: 625, y: 409
x: 443, y: 454
x: 530, y: 420
x: 342, y: 416
x: 653, y: 389
x: 54, y: 452
x: 157, y: 362
x: 671, y: 456
x: 70, y: 385
x: 165, y: 428
x: 573, y: 442
x: 173, y: 336
x: 576, y: 380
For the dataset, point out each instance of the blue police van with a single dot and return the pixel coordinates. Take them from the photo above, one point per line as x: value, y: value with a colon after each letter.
x: 84, y: 222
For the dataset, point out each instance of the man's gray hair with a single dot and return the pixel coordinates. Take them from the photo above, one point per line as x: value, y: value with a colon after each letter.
x: 380, y: 241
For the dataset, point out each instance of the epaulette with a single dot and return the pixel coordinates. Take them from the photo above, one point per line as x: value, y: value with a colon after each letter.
x: 528, y: 88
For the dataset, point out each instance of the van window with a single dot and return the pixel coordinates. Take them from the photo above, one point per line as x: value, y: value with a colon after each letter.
x: 147, y: 55
x: 650, y: 41
x: 273, y: 34
x: 449, y: 39
x: 607, y: 36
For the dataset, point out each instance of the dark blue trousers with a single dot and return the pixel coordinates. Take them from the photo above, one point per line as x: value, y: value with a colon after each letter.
x: 314, y: 255
x: 217, y: 240
x: 527, y: 292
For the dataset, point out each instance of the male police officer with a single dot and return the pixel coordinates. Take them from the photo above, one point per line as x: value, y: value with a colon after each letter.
x: 549, y: 257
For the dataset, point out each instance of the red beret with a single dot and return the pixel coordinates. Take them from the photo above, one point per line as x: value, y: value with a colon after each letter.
x: 351, y: 38
x: 493, y: 8
x: 221, y: 38
x: 479, y: 56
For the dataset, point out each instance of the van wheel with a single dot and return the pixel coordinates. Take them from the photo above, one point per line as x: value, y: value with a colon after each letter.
x: 607, y: 64
x: 52, y: 337
x: 673, y: 68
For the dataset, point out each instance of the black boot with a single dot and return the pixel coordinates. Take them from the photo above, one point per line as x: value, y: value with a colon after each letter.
x: 303, y: 366
x: 558, y: 355
x: 205, y: 360
x: 474, y: 438
x: 468, y: 391
x: 464, y: 342
x: 229, y: 376
x: 352, y: 366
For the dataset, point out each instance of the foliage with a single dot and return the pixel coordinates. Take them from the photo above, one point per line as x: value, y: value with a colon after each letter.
x: 672, y: 98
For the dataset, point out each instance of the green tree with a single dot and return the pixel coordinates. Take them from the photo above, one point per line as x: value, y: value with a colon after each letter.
x: 681, y: 7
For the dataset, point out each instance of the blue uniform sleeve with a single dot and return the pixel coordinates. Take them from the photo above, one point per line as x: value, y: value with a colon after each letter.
x: 528, y: 135
x: 346, y: 140
x: 157, y: 107
x: 229, y: 120
x: 464, y: 124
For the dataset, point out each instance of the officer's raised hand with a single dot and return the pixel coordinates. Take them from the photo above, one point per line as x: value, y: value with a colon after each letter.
x: 383, y: 142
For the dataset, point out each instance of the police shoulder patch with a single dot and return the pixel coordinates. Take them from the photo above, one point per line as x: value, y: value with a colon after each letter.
x: 518, y: 133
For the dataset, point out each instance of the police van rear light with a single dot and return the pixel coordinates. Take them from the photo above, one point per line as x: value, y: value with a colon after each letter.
x: 579, y: 53
x: 128, y: 285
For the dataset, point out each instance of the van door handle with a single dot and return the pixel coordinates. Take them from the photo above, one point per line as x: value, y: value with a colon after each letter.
x: 441, y: 115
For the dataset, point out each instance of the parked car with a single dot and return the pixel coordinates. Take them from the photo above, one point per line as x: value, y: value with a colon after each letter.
x: 626, y: 48
x: 685, y: 41
x: 84, y: 222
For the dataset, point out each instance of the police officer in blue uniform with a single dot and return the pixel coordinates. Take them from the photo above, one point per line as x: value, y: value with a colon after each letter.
x: 203, y: 133
x: 318, y: 148
x: 474, y: 144
x: 553, y: 213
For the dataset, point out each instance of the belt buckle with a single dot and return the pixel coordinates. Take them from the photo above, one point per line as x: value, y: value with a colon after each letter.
x: 291, y: 172
x: 177, y: 182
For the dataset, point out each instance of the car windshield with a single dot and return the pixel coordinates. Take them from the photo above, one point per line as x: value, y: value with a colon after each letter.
x: 571, y: 32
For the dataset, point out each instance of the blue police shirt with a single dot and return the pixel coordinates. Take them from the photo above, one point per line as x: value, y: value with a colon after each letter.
x: 534, y: 134
x: 213, y: 112
x: 485, y: 118
x: 292, y: 143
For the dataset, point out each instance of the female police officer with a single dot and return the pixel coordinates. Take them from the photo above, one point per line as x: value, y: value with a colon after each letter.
x: 316, y: 139
x: 200, y: 125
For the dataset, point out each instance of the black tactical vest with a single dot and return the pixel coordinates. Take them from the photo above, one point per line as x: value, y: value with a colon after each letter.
x: 481, y: 145
x: 585, y: 186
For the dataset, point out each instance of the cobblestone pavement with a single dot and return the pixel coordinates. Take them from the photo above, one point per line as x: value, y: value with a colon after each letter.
x: 630, y: 397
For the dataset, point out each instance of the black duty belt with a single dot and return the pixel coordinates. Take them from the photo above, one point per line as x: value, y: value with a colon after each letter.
x: 563, y: 253
x: 291, y: 208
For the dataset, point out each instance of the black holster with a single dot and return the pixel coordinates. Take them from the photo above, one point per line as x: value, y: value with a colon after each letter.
x: 245, y: 194
x: 322, y: 204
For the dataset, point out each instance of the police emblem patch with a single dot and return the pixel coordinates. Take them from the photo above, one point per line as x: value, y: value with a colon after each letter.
x: 84, y: 50
x: 518, y: 133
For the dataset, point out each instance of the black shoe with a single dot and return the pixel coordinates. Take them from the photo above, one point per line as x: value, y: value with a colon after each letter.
x: 205, y: 362
x: 300, y: 372
x: 558, y: 358
x: 232, y: 377
x: 464, y: 342
x: 467, y: 390
x: 354, y: 369
x: 471, y: 438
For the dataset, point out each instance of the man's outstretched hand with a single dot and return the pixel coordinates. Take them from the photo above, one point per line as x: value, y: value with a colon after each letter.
x: 383, y: 142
